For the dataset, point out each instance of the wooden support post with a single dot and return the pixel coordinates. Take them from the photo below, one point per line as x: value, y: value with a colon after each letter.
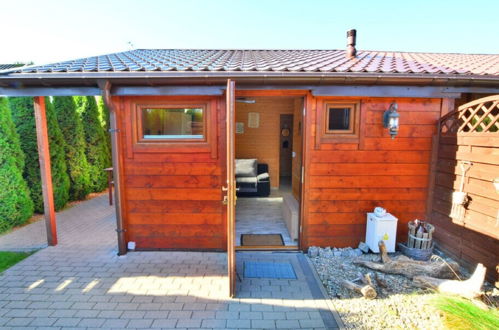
x: 45, y: 170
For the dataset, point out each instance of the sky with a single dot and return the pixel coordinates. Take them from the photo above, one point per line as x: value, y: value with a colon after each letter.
x: 47, y: 31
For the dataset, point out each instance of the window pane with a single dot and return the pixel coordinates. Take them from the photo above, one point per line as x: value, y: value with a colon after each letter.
x: 339, y: 119
x: 184, y: 123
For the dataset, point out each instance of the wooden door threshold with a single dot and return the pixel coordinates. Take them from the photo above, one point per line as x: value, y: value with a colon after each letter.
x: 267, y: 248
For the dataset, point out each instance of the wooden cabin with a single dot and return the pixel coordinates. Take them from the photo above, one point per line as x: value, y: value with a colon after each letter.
x: 181, y: 118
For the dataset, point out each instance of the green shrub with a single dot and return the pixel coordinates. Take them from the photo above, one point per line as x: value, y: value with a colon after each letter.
x: 97, y: 151
x: 60, y: 177
x: 459, y: 313
x: 76, y: 160
x: 16, y: 206
x: 105, y: 121
x: 24, y: 120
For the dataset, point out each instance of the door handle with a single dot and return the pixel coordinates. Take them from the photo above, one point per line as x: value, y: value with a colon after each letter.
x: 225, y: 188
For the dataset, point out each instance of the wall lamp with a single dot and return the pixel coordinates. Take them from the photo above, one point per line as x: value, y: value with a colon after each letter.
x: 391, y: 120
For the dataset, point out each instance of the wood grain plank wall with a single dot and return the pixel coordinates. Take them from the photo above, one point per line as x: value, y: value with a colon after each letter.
x: 262, y: 143
x: 344, y: 181
x: 474, y: 238
x: 173, y: 199
x: 297, y: 148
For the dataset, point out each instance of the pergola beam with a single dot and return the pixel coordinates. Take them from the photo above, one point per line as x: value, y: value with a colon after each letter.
x: 45, y: 170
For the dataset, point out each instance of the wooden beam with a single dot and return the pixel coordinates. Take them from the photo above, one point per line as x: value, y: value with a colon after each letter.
x: 45, y: 170
x: 168, y: 90
x: 386, y: 91
x: 49, y: 91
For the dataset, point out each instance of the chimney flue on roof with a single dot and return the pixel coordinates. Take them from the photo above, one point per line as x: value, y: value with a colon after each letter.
x: 351, y: 37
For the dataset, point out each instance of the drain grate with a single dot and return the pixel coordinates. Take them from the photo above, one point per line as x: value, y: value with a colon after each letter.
x: 254, y: 269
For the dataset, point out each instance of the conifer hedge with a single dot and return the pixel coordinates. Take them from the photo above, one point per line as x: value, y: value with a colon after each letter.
x: 97, y: 152
x: 105, y: 121
x: 16, y: 206
x: 23, y: 117
x: 57, y: 145
x: 76, y: 160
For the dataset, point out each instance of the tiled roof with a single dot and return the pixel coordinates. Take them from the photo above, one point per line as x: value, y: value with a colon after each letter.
x: 279, y: 61
x: 9, y: 66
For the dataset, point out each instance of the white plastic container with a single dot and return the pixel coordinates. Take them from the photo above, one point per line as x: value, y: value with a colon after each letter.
x: 381, y: 228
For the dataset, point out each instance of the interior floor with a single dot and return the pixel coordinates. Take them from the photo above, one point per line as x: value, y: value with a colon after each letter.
x: 263, y: 215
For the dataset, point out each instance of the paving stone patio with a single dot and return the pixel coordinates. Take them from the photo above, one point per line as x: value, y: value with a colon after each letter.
x: 82, y: 283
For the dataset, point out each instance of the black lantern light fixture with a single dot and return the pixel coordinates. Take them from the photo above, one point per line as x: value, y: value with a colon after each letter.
x: 391, y: 120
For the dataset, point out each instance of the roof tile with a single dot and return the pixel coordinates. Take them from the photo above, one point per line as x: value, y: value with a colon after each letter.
x: 276, y: 61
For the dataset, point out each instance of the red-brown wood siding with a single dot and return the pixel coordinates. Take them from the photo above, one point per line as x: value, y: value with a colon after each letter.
x: 172, y: 196
x: 345, y: 180
x: 474, y: 238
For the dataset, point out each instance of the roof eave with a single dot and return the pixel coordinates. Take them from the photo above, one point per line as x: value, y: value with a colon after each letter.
x: 240, y: 74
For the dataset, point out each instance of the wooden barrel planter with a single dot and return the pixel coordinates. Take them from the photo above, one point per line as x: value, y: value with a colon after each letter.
x: 420, y: 241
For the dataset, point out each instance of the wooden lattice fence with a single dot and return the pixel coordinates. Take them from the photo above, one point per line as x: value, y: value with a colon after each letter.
x: 467, y: 142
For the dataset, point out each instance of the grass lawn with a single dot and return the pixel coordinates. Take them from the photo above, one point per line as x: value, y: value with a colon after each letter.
x: 9, y: 259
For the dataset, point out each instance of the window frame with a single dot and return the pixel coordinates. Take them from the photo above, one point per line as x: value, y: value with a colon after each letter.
x: 140, y: 130
x: 325, y: 135
x: 188, y: 145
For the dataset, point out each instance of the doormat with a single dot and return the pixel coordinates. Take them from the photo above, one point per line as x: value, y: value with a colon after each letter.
x: 262, y: 240
x: 253, y: 269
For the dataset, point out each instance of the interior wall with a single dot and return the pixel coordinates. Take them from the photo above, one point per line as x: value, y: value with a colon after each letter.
x: 262, y: 143
x: 297, y: 148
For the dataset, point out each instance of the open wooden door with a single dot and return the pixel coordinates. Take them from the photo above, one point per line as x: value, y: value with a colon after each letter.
x: 230, y: 198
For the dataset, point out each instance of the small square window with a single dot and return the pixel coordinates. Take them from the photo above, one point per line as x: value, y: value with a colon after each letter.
x: 339, y: 119
x: 172, y: 123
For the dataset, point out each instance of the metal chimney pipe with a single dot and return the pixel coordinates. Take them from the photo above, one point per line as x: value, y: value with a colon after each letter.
x: 351, y: 40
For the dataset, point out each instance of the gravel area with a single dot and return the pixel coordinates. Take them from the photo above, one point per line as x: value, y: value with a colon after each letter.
x: 398, y: 305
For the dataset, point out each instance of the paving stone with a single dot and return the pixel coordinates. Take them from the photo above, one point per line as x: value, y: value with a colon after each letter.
x: 150, y: 306
x: 18, y: 313
x: 251, y: 315
x: 225, y: 315
x: 261, y: 308
x: 164, y: 323
x: 188, y: 323
x: 67, y: 322
x: 19, y: 321
x: 127, y: 306
x: 263, y: 324
x: 203, y: 315
x: 133, y: 315
x: 42, y: 312
x: 213, y: 324
x: 287, y: 324
x: 142, y: 289
x: 274, y: 315
x: 17, y: 304
x: 180, y: 315
x: 194, y: 307
x: 297, y: 315
x: 239, y: 308
x: 238, y: 324
x: 63, y: 313
x: 91, y: 322
x: 172, y: 306
x: 139, y: 323
x: 115, y: 323
x: 109, y: 314
x: 315, y: 323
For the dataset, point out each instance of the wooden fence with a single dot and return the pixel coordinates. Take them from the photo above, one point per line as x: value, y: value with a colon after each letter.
x: 467, y: 141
